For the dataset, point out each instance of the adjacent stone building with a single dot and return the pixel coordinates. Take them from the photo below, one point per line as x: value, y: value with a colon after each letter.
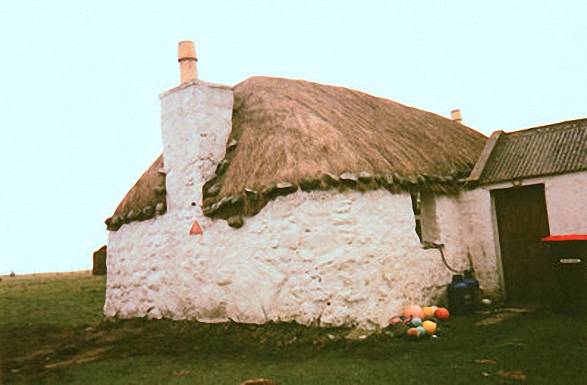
x: 527, y: 185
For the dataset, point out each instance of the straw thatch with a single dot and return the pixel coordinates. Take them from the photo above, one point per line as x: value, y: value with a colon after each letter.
x: 292, y: 133
x: 144, y: 200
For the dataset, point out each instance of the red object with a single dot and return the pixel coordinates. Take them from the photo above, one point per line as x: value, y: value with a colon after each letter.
x: 442, y: 313
x: 567, y: 237
x: 196, y: 229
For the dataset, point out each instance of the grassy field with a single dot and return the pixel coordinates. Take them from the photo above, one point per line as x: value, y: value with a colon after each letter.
x: 52, y: 331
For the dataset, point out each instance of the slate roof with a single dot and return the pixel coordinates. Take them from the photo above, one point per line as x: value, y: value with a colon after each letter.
x: 540, y: 151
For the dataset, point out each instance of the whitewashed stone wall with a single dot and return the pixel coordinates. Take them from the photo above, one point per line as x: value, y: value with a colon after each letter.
x: 477, y: 234
x: 320, y: 257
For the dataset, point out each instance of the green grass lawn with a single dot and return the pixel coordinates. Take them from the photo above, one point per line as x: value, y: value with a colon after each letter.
x: 52, y: 331
x: 62, y: 301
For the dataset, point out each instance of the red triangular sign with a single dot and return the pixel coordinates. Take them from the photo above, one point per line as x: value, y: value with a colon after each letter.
x: 196, y: 229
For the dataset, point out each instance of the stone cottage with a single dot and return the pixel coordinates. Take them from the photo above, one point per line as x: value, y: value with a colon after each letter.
x: 286, y: 200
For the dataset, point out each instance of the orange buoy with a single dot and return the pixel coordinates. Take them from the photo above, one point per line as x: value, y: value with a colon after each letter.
x: 413, y: 333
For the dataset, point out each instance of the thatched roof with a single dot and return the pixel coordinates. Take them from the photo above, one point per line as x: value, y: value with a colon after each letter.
x: 144, y: 200
x: 290, y: 133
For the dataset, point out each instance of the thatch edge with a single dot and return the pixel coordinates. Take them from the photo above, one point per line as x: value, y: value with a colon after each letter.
x: 250, y: 202
x: 140, y: 203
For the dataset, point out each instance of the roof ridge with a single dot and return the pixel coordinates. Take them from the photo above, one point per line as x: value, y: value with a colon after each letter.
x: 564, y: 125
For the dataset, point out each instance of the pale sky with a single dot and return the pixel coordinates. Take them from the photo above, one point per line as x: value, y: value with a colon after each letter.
x: 79, y: 106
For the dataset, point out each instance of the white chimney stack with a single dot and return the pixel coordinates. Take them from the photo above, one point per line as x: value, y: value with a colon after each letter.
x: 455, y: 115
x: 196, y: 120
x: 187, y: 59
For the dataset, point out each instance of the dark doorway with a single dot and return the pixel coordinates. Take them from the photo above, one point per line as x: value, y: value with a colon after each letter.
x: 522, y: 222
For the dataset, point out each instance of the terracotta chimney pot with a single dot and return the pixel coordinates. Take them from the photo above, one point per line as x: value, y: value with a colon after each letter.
x: 455, y: 115
x: 187, y: 59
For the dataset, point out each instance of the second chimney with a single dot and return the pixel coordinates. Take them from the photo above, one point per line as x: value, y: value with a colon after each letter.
x: 455, y: 115
x: 187, y: 59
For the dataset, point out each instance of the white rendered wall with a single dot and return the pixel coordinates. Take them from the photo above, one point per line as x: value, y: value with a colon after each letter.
x: 477, y: 231
x: 464, y: 226
x: 327, y: 258
x: 565, y: 203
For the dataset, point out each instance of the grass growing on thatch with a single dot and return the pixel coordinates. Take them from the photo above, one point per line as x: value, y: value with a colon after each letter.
x: 47, y: 339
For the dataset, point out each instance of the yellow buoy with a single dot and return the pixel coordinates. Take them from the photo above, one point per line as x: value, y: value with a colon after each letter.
x: 428, y: 312
x: 430, y: 327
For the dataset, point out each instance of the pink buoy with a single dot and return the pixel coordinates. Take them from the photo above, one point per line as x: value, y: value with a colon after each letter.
x: 413, y: 311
